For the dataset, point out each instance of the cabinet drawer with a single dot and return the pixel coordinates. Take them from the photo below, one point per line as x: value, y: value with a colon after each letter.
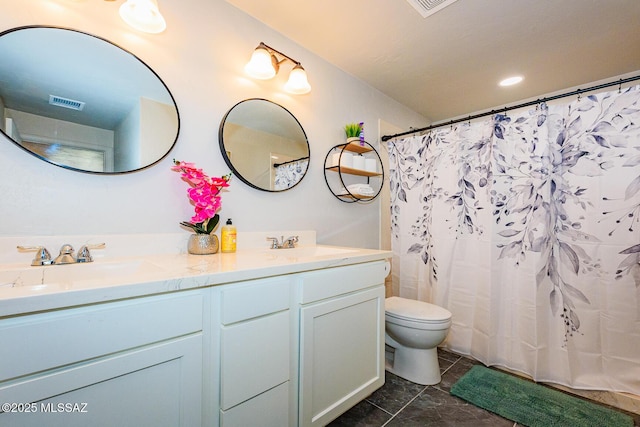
x: 255, y: 357
x: 44, y: 341
x: 266, y: 296
x: 270, y: 409
x: 332, y: 282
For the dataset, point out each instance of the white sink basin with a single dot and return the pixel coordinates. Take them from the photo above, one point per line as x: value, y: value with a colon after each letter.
x: 311, y: 251
x: 95, y: 272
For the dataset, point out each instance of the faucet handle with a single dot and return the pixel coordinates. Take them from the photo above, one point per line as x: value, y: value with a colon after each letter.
x: 274, y: 242
x: 290, y: 242
x: 43, y: 257
x: 84, y: 255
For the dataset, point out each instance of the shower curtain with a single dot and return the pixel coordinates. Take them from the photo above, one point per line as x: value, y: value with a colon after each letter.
x: 526, y: 227
x: 289, y: 174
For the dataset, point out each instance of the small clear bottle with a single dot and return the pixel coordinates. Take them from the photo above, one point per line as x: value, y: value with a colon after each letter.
x: 228, y: 237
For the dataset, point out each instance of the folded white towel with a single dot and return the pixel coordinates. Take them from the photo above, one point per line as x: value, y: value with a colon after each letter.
x: 363, y: 189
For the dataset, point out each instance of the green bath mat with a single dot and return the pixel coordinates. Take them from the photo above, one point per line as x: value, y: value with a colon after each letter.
x: 531, y: 404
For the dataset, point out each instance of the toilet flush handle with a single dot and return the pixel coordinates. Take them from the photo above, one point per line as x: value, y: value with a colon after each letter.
x: 387, y: 268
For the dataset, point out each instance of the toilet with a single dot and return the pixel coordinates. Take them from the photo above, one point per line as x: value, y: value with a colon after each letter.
x: 414, y: 329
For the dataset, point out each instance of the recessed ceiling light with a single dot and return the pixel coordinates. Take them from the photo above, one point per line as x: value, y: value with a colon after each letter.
x: 511, y: 81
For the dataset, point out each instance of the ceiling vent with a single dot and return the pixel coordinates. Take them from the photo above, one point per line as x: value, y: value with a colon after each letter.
x: 429, y: 7
x: 59, y: 101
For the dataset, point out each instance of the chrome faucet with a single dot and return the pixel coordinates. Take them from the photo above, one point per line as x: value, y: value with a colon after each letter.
x: 84, y: 255
x: 290, y: 242
x: 43, y: 257
x: 287, y: 243
x: 65, y: 256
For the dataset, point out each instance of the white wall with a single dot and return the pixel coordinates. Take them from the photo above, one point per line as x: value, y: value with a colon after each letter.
x: 200, y: 57
x: 39, y: 129
x: 156, y: 121
x: 2, y: 114
x: 127, y: 144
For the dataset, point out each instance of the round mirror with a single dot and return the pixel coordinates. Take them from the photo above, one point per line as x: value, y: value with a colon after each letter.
x: 264, y: 145
x: 82, y: 103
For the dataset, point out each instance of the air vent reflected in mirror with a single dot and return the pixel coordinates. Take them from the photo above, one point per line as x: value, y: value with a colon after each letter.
x: 59, y: 101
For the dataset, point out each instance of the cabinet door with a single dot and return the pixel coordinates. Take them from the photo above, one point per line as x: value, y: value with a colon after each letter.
x: 158, y: 385
x: 342, y: 354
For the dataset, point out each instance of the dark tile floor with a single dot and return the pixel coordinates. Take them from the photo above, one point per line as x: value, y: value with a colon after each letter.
x: 402, y: 403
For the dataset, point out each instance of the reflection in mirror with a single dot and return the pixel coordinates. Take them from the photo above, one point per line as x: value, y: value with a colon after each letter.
x: 83, y: 103
x: 264, y: 145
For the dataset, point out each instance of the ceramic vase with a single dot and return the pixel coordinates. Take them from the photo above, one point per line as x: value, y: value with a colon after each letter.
x: 203, y: 244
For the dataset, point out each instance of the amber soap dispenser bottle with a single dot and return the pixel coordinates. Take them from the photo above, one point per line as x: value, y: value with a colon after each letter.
x: 228, y: 237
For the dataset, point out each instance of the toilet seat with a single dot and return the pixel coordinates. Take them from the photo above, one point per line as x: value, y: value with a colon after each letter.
x: 409, y: 310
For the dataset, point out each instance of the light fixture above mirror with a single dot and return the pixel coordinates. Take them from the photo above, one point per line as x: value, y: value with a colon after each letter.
x: 143, y: 15
x: 264, y: 65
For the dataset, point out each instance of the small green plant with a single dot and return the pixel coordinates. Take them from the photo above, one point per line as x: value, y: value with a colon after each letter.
x: 352, y: 130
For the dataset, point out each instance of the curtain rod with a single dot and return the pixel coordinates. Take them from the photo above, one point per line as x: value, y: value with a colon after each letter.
x: 514, y: 107
x: 276, y: 165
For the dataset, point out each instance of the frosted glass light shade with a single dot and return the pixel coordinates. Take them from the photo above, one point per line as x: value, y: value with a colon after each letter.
x: 262, y: 64
x: 143, y: 15
x: 298, y: 83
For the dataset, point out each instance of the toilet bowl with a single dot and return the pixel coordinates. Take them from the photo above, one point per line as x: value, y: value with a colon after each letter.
x: 414, y: 329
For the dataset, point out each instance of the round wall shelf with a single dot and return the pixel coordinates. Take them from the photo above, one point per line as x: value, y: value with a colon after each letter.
x: 353, y: 172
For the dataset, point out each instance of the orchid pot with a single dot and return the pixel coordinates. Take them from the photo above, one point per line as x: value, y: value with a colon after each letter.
x: 204, y: 195
x: 203, y: 244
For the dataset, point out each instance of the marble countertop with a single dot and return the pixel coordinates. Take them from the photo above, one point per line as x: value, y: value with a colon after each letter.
x: 26, y: 289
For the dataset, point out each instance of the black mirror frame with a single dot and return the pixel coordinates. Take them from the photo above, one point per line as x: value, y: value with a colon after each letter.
x: 228, y: 161
x: 133, y: 56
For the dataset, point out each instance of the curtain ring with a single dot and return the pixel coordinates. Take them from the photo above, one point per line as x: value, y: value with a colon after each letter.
x: 620, y: 86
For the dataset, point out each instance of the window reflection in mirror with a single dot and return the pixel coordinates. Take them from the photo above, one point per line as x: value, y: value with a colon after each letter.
x: 264, y: 145
x: 83, y: 103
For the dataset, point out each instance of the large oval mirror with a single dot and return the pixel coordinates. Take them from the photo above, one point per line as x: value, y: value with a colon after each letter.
x: 83, y: 103
x: 264, y: 145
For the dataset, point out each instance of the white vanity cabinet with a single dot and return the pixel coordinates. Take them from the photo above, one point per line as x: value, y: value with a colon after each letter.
x: 341, y: 339
x: 275, y: 344
x: 298, y: 349
x: 136, y: 362
x: 255, y: 349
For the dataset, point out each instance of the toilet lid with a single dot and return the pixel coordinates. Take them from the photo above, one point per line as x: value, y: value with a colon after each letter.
x: 419, y: 311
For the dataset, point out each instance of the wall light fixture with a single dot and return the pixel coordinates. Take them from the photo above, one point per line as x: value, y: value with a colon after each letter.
x: 143, y: 15
x: 264, y: 65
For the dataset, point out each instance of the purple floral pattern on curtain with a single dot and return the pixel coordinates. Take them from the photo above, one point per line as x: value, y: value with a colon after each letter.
x: 556, y: 182
x: 289, y: 174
